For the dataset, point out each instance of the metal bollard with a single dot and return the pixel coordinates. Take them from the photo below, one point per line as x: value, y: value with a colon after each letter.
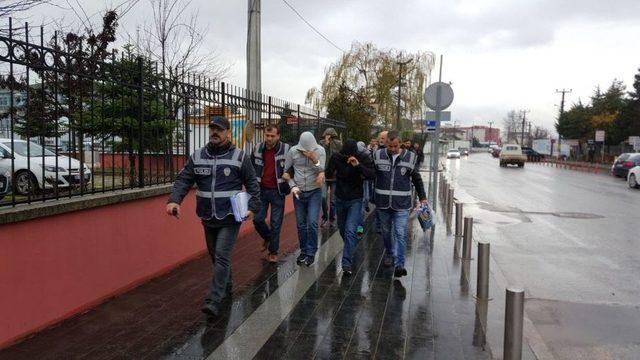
x: 449, y: 210
x: 451, y: 201
x: 443, y: 193
x: 513, y: 321
x: 482, y: 285
x: 450, y: 197
x: 468, y: 235
x: 458, y: 233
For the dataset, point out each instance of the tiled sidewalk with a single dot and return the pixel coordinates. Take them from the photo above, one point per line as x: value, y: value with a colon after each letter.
x: 428, y: 314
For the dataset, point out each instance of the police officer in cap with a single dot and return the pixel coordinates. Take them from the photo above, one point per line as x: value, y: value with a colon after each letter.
x: 219, y: 170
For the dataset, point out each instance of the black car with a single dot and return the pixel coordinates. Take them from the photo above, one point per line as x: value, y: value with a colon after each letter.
x: 623, y: 163
x: 532, y: 155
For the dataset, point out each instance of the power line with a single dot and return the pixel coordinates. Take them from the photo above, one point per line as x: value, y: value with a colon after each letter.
x: 312, y: 27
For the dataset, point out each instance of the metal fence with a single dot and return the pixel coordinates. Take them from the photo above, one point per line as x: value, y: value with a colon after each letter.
x: 75, y: 120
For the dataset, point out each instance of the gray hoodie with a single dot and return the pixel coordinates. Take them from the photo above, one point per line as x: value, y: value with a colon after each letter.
x: 305, y: 172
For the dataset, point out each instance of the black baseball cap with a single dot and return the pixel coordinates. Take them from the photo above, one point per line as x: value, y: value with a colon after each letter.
x: 221, y: 122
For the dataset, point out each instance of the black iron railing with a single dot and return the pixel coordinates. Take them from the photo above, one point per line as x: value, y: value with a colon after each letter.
x: 75, y: 120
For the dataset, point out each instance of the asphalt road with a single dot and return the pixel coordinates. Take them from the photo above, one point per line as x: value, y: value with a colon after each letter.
x: 572, y: 240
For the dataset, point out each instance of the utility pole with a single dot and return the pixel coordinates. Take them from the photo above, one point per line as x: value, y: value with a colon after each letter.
x: 254, y: 64
x: 524, y: 118
x: 563, y: 92
x: 472, y: 126
x: 490, y: 134
x: 400, y: 64
x: 253, y: 47
x: 530, y: 137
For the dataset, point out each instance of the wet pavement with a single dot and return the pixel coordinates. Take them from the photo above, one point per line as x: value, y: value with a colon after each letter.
x: 288, y: 312
x: 571, y: 239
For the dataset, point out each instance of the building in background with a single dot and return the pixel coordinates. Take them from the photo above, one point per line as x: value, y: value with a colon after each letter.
x: 486, y: 135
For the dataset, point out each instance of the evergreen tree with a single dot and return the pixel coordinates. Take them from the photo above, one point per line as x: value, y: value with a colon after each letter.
x: 628, y: 121
x: 352, y: 108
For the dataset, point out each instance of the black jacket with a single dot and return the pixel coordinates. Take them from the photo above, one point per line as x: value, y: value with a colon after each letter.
x: 350, y: 179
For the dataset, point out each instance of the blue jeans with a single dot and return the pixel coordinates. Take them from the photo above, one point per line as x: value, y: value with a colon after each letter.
x: 220, y: 241
x: 307, y: 211
x: 349, y: 214
x: 270, y: 233
x: 329, y: 213
x: 394, y: 233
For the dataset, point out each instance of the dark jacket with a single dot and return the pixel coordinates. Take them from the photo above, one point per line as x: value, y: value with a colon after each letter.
x: 394, y: 178
x: 350, y: 179
x: 333, y: 146
x: 218, y: 172
x: 258, y: 163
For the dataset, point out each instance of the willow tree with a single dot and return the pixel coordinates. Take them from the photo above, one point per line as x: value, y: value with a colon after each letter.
x: 375, y: 73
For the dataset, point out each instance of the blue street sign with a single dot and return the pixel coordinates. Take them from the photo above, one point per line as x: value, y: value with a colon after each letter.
x: 430, y: 123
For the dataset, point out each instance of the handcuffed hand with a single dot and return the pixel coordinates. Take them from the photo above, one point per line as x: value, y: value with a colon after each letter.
x: 173, y: 209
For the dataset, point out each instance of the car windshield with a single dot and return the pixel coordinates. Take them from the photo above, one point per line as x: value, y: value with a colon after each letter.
x: 511, y: 148
x: 34, y: 150
x: 623, y: 157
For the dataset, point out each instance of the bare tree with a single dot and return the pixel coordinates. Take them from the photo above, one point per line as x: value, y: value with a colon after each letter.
x: 540, y: 132
x: 510, y: 124
x: 174, y: 38
x: 8, y: 7
x: 375, y: 72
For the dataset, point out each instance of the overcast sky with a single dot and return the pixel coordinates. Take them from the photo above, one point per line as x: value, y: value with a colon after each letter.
x: 499, y: 54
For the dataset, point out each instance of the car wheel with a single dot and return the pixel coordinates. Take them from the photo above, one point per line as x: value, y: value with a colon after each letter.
x: 25, y: 183
x: 633, y: 183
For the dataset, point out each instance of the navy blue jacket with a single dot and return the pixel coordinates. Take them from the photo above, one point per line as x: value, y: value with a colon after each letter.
x: 258, y: 164
x: 393, y: 180
x: 219, y: 173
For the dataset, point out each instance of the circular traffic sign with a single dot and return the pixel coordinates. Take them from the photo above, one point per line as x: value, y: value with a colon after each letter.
x: 431, y: 96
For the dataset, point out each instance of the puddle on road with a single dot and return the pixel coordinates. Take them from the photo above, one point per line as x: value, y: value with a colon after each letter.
x: 514, y: 210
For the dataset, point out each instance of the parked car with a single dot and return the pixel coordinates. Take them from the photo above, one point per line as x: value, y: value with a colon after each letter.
x: 453, y: 154
x: 531, y: 154
x: 32, y: 173
x: 633, y: 178
x: 5, y: 182
x: 464, y: 151
x: 622, y: 164
x: 511, y: 154
x: 495, y: 152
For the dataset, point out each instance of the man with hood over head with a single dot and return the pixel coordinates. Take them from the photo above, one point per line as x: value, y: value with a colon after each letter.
x: 308, y: 160
x: 350, y: 167
x: 331, y: 145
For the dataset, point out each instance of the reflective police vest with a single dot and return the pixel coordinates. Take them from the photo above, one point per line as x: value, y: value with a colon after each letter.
x: 218, y: 178
x: 258, y: 165
x: 393, y: 181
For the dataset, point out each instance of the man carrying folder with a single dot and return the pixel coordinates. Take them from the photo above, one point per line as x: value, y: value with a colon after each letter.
x: 219, y: 170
